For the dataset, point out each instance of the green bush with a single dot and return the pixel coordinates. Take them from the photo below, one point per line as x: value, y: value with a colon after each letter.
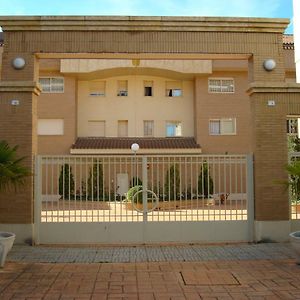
x: 95, y: 182
x: 205, y: 182
x: 293, y: 170
x: 132, y: 191
x: 172, y: 183
x: 66, y: 182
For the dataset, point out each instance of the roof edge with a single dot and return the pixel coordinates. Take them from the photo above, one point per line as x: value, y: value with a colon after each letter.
x: 138, y: 23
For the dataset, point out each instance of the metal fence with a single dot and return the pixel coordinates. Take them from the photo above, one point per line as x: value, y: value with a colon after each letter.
x: 142, y: 188
x: 294, y: 191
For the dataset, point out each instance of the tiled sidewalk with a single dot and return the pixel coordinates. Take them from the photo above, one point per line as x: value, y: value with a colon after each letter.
x: 151, y: 253
x: 271, y: 273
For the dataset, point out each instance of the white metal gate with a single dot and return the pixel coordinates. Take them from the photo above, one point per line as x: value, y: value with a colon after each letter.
x: 196, y: 198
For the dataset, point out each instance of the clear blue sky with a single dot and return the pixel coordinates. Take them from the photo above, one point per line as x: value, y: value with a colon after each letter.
x: 233, y: 8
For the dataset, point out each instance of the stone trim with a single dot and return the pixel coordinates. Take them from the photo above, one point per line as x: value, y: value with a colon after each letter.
x: 273, y: 87
x: 20, y: 86
x: 118, y: 23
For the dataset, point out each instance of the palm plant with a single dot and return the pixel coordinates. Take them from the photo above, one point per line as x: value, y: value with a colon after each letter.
x: 12, y: 172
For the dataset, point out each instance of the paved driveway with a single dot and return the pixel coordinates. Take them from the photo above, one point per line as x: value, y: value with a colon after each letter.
x: 263, y: 271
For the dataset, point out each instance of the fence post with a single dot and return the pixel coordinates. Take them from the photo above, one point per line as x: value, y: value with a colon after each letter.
x: 250, y: 197
x: 37, y: 199
x: 145, y: 188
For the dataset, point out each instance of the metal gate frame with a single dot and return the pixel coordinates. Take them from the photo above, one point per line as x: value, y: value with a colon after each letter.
x: 145, y: 231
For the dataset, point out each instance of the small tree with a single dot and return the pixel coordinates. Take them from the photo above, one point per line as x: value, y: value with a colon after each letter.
x: 205, y: 182
x: 95, y: 181
x: 66, y: 181
x: 12, y: 173
x: 172, y: 183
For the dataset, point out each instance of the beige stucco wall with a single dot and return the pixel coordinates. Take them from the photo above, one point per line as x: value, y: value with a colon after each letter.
x: 58, y: 106
x: 136, y: 107
x: 216, y: 106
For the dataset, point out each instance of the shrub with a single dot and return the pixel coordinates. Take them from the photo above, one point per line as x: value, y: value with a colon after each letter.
x: 66, y: 182
x: 95, y: 182
x: 172, y: 183
x: 205, y: 182
x: 132, y: 191
x: 12, y: 173
x: 293, y: 170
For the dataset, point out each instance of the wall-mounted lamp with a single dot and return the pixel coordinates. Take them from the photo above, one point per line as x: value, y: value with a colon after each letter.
x: 18, y: 63
x: 15, y: 102
x: 271, y: 103
x: 269, y: 64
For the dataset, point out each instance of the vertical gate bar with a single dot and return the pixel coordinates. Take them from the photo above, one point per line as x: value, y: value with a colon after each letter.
x: 46, y: 187
x: 197, y: 187
x: 132, y: 168
x: 57, y: 183
x: 69, y: 188
x: 243, y: 169
x: 191, y: 210
x: 236, y: 186
x: 52, y: 188
x: 110, y: 186
x: 145, y: 187
x: 75, y: 189
x: 230, y: 182
x: 80, y: 190
x: 250, y: 196
x: 185, y: 185
x: 103, y: 188
x: 115, y: 186
x: 37, y: 200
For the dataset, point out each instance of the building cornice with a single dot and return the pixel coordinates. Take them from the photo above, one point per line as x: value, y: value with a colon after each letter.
x: 273, y: 87
x: 127, y: 23
x: 20, y: 87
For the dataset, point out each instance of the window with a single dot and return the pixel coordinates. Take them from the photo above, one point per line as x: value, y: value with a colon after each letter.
x: 148, y: 88
x: 122, y: 88
x: 52, y: 84
x: 292, y: 126
x: 123, y: 128
x: 96, y: 128
x: 173, y: 88
x: 174, y: 128
x: 220, y: 85
x: 148, y: 128
x: 97, y: 88
x: 222, y: 126
x: 50, y: 127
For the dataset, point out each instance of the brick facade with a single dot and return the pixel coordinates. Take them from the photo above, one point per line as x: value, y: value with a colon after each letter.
x: 256, y: 39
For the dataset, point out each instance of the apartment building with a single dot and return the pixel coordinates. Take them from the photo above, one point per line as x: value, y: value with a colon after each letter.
x: 175, y: 85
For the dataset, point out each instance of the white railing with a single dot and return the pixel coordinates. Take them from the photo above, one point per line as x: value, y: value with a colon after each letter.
x: 140, y: 188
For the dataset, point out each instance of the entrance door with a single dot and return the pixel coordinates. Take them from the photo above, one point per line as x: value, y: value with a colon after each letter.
x: 122, y: 184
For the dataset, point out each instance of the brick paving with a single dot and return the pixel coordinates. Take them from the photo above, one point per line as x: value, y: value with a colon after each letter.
x: 270, y: 273
x: 114, y: 254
